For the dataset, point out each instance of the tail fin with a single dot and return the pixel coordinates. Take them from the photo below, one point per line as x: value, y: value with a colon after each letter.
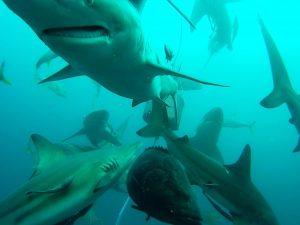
x: 156, y: 119
x: 78, y: 133
x: 281, y: 79
x: 297, y: 148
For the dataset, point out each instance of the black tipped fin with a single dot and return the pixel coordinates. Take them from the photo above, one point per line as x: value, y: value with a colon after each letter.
x: 242, y: 168
x: 64, y: 73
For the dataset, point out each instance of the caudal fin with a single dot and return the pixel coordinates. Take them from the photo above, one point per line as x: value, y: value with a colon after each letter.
x: 281, y: 80
x: 156, y: 120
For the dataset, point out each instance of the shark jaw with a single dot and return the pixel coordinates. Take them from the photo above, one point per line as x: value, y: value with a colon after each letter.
x: 84, y: 32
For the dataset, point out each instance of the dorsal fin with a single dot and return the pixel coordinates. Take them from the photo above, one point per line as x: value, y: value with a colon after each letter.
x: 242, y: 168
x: 47, y: 153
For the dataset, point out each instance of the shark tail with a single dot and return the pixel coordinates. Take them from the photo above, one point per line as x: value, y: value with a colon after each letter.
x: 281, y: 81
x: 297, y: 148
x: 156, y: 120
x: 276, y: 98
x: 78, y: 133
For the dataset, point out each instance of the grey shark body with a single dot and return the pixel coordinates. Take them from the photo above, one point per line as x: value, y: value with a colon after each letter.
x: 64, y: 186
x: 97, y: 129
x: 283, y: 91
x: 207, y: 134
x: 229, y: 186
x: 102, y: 39
x: 223, y: 30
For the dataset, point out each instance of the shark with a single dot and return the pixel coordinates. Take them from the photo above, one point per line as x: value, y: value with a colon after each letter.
x: 228, y: 188
x: 63, y: 186
x: 103, y: 40
x: 283, y: 91
x: 223, y: 30
x: 97, y: 129
x: 207, y: 134
x: 2, y: 77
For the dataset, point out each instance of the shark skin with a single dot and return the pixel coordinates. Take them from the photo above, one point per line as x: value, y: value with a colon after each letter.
x: 223, y: 31
x: 227, y: 185
x: 207, y: 134
x: 102, y: 39
x: 63, y: 187
x: 283, y: 91
x: 97, y: 129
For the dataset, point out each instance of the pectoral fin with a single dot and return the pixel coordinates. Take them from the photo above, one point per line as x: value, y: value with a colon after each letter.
x: 64, y: 73
x: 160, y: 70
x: 60, y: 188
x: 218, y: 208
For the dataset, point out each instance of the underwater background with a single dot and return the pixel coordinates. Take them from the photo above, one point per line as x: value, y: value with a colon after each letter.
x: 27, y: 107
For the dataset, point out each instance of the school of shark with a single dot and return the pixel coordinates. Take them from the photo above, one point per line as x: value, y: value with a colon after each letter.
x: 162, y: 172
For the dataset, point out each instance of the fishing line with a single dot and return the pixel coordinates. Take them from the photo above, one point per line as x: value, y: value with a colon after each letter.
x: 126, y: 203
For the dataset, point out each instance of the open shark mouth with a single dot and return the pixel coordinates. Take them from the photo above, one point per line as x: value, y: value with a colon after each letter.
x: 78, y: 32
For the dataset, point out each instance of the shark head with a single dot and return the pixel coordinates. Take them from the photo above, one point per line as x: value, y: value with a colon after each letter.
x: 72, y: 28
x: 211, y: 124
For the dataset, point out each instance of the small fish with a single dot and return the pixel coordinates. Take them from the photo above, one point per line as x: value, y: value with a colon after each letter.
x: 46, y: 58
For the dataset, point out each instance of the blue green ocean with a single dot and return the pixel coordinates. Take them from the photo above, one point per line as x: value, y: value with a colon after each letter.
x: 27, y: 107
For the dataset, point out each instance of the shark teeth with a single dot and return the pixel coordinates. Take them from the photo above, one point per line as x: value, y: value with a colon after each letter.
x: 110, y: 166
x: 78, y: 32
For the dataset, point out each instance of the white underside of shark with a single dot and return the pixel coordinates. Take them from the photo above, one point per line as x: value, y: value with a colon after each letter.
x: 103, y: 39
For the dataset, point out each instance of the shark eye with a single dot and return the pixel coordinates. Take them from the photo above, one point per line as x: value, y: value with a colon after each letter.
x: 89, y: 2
